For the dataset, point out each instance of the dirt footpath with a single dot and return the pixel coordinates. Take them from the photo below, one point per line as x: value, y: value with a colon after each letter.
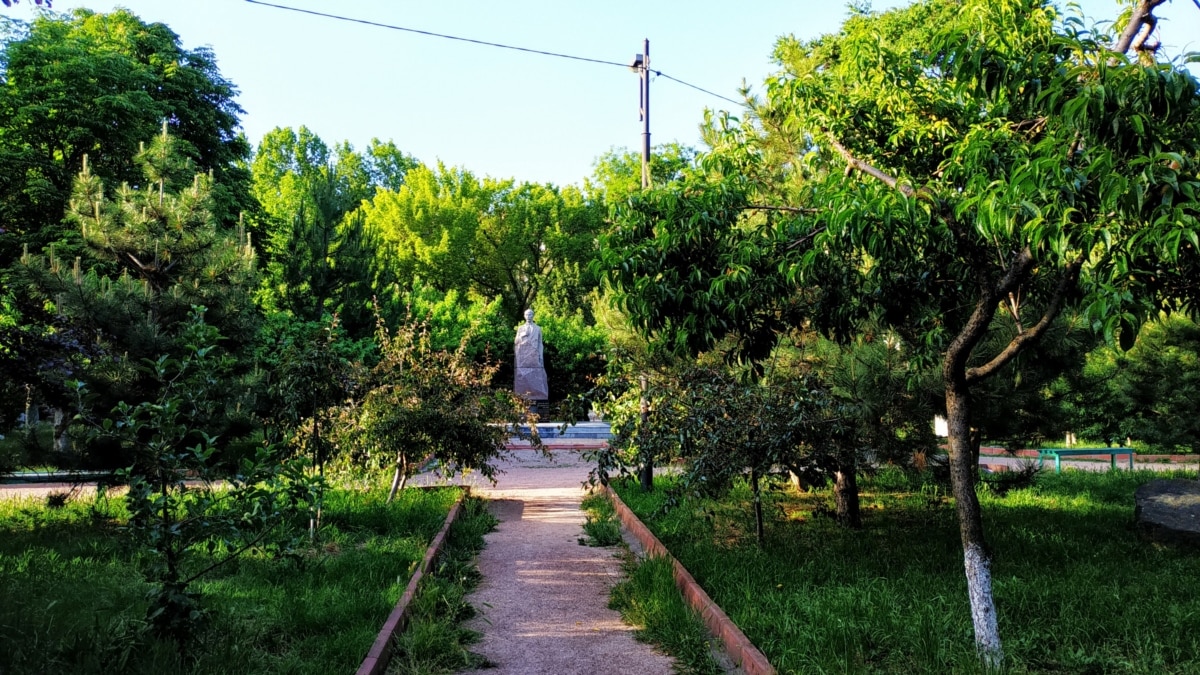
x: 543, y: 601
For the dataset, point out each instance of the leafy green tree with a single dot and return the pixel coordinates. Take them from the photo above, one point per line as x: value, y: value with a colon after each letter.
x: 313, y: 378
x: 187, y: 529
x: 1025, y: 403
x: 884, y: 409
x: 420, y: 402
x: 945, y: 166
x: 1147, y: 393
x: 429, y: 226
x: 100, y: 84
x: 617, y: 174
x: 170, y: 255
x: 320, y: 256
x: 489, y: 237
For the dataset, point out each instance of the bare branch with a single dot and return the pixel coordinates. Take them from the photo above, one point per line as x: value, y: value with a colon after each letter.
x: 788, y: 209
x: 1026, y: 338
x: 1142, y: 15
x: 1014, y: 308
x: 806, y: 238
x: 854, y: 162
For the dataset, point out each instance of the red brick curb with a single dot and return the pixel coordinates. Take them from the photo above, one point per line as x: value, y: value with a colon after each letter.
x: 737, y: 645
x: 381, y: 652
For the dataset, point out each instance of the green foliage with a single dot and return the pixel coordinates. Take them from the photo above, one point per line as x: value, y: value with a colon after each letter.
x: 157, y: 254
x: 1147, y: 393
x: 723, y: 427
x: 420, y: 401
x: 921, y: 169
x: 75, y: 600
x: 173, y: 520
x: 884, y: 599
x: 617, y: 174
x: 480, y: 325
x: 649, y: 599
x: 600, y: 525
x: 321, y: 258
x: 434, y: 641
x: 575, y: 356
x: 100, y: 84
x: 886, y: 405
x: 489, y: 237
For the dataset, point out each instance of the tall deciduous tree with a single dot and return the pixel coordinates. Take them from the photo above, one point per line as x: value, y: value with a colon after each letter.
x: 320, y: 256
x: 950, y: 165
x: 494, y: 238
x: 100, y: 84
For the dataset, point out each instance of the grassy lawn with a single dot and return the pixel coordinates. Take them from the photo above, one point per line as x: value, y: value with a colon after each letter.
x: 73, y: 600
x: 1076, y: 590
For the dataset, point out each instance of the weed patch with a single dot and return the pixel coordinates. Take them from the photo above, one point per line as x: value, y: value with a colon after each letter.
x: 435, y: 641
x: 600, y: 526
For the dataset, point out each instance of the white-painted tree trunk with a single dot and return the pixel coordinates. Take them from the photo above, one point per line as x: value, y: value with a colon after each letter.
x: 983, y: 606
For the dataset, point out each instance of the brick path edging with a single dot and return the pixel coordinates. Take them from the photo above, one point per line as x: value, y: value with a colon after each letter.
x: 381, y: 652
x: 737, y: 645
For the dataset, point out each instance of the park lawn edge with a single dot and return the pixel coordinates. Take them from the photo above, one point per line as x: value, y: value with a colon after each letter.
x: 739, y: 647
x: 380, y: 654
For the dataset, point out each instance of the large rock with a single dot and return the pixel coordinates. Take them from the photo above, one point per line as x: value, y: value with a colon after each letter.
x: 1168, y: 511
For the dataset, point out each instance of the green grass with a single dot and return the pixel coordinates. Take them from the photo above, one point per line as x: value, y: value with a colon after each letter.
x: 600, y: 525
x: 434, y: 641
x: 1077, y: 592
x: 74, y: 600
x: 649, y: 599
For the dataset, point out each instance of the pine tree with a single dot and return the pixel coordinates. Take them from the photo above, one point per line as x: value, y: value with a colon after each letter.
x: 155, y: 253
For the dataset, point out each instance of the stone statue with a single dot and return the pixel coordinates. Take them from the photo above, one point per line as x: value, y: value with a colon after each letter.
x: 529, y: 376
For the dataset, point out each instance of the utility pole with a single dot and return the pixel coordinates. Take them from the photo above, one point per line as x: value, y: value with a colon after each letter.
x: 641, y: 66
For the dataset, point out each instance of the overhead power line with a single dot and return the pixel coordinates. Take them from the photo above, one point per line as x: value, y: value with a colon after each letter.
x: 485, y: 43
x: 710, y: 93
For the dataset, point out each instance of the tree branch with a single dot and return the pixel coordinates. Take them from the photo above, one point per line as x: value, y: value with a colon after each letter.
x: 981, y: 317
x: 809, y: 237
x: 1142, y: 15
x: 870, y: 170
x: 788, y: 209
x: 1025, y: 338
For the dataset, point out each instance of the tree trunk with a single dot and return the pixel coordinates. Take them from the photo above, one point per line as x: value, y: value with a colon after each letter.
x: 646, y: 475
x: 62, y: 442
x: 976, y: 557
x: 31, y: 409
x: 758, y: 514
x: 845, y: 492
x: 400, y: 477
x: 314, y: 523
x: 646, y: 471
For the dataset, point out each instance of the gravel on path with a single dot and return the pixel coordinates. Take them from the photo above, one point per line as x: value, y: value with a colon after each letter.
x: 543, y: 601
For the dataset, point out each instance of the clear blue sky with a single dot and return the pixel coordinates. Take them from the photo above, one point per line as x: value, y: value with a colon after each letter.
x: 498, y: 112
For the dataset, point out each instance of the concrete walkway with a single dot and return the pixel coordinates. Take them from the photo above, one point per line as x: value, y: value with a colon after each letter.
x: 543, y: 601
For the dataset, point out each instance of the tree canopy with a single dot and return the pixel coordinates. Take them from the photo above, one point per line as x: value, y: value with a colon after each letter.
x: 101, y: 84
x: 946, y: 169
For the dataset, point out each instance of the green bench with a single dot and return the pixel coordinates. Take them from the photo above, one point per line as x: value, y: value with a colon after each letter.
x: 1059, y: 453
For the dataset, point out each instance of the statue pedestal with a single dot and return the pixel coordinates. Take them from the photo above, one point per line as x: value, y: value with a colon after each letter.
x: 541, y: 408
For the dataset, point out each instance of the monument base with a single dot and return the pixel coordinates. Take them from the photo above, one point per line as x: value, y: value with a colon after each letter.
x: 541, y: 408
